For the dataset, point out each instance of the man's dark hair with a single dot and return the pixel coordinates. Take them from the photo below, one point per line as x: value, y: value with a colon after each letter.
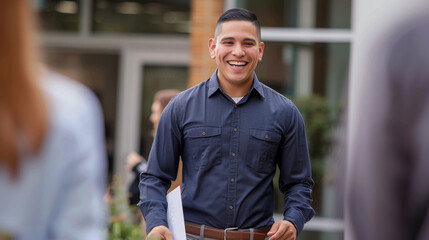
x: 238, y: 14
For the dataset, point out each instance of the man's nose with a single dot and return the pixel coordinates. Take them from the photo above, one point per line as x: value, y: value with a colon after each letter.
x: 238, y: 50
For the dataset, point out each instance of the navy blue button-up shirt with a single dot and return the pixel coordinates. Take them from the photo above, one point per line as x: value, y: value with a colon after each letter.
x: 230, y: 152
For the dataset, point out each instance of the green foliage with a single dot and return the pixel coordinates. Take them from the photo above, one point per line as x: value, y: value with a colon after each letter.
x: 123, y: 231
x: 316, y: 114
x: 122, y: 226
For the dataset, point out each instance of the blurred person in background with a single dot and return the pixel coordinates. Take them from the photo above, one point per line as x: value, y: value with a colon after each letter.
x: 52, y: 155
x: 388, y: 180
x: 136, y: 163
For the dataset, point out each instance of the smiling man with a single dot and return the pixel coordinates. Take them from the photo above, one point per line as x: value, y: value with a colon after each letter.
x: 231, y: 132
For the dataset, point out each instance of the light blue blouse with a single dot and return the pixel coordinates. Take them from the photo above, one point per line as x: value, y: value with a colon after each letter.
x: 59, y: 192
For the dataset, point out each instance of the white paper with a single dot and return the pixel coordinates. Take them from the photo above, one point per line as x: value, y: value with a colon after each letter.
x: 176, y: 222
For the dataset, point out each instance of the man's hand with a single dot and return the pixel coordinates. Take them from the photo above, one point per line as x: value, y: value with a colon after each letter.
x: 159, y: 233
x: 282, y: 230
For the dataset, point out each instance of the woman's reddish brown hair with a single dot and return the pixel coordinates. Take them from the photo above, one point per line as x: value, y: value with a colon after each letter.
x: 23, y: 113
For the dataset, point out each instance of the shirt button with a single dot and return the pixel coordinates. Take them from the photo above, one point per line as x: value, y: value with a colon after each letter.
x: 235, y: 106
x: 203, y: 133
x: 231, y: 207
x: 266, y: 136
x: 233, y: 154
x: 232, y: 180
x: 235, y: 129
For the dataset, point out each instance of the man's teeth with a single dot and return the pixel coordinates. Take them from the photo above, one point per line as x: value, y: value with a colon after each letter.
x: 237, y: 63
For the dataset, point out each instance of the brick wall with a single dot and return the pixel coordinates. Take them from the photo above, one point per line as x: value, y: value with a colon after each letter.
x: 204, y: 14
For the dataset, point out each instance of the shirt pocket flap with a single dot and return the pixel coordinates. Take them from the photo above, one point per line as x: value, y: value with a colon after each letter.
x: 200, y: 132
x: 265, y: 135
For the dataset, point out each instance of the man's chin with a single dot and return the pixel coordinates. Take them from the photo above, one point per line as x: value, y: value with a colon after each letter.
x: 239, y: 79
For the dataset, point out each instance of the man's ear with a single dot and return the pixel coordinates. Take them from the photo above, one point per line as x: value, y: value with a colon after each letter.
x: 212, y: 46
x: 261, y: 50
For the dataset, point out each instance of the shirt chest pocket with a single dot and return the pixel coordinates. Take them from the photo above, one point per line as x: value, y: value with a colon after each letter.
x: 262, y: 150
x: 204, y: 146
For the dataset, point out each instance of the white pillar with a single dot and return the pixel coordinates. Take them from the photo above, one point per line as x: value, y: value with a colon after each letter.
x: 305, y: 55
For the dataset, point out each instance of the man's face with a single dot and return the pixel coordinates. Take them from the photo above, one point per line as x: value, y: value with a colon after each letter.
x: 237, y: 50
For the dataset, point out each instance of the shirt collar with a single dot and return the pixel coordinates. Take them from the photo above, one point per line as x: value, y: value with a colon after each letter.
x: 214, y: 85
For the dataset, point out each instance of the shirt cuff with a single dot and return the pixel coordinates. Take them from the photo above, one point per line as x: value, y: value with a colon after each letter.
x: 296, y: 217
x: 154, y: 219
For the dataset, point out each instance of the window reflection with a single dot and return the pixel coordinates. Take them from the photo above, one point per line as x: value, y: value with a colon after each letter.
x: 59, y: 15
x: 301, y: 13
x: 305, y: 68
x: 141, y: 16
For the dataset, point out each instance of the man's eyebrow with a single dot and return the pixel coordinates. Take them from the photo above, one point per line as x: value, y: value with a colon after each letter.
x: 227, y: 38
x: 246, y: 39
x: 250, y: 39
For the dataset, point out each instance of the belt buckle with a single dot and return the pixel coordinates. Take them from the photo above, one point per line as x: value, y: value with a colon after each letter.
x: 226, y: 230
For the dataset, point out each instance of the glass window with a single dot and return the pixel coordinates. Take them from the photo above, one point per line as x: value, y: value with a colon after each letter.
x: 99, y: 73
x: 141, y: 16
x: 156, y: 78
x: 296, y: 69
x: 58, y: 15
x: 301, y: 13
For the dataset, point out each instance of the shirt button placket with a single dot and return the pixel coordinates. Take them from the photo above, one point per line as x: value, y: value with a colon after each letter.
x: 233, y: 166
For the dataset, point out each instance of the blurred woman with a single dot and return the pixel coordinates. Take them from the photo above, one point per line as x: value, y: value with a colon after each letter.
x: 52, y: 159
x: 136, y: 163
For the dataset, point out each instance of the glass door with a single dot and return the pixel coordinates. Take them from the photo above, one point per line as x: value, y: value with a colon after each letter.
x: 143, y: 72
x: 156, y: 78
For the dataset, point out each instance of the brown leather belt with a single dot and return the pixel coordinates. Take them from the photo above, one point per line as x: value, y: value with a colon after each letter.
x: 229, y: 233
